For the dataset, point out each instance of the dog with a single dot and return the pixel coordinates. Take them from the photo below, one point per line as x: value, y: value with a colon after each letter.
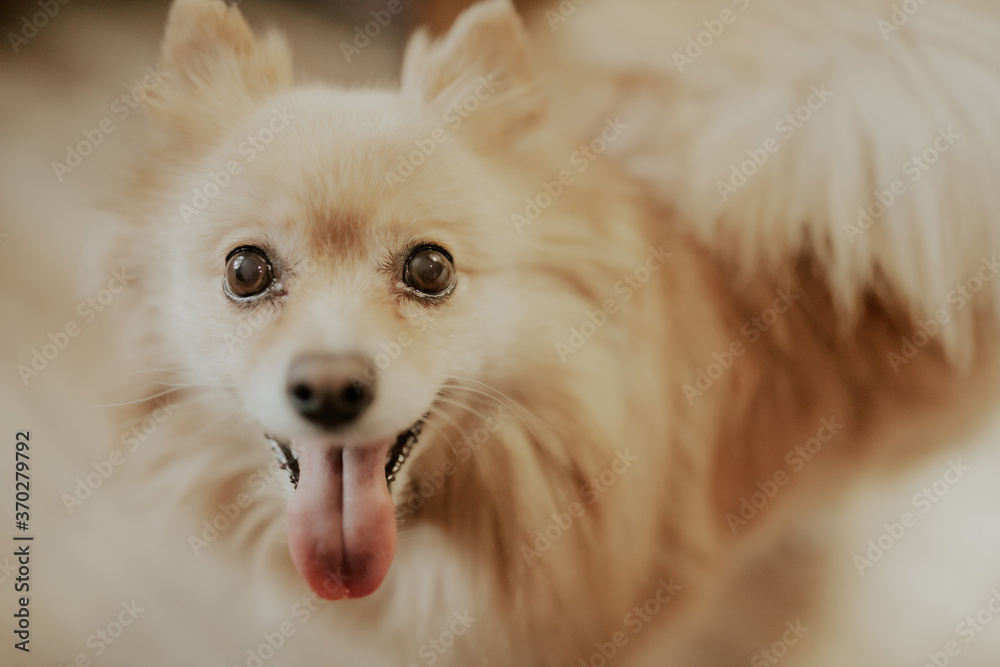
x: 550, y: 335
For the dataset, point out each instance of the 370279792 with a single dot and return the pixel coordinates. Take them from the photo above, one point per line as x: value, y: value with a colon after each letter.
x: 22, y: 517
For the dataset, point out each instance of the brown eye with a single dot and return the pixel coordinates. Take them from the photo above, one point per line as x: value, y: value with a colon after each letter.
x: 248, y: 273
x: 430, y: 270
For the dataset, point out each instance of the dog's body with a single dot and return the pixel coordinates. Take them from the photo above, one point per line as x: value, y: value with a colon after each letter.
x: 630, y: 351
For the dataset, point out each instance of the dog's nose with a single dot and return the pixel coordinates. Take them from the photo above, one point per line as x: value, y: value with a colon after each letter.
x: 330, y: 391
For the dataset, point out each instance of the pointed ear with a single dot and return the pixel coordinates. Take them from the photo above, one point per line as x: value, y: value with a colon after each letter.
x: 213, y: 67
x: 479, y: 73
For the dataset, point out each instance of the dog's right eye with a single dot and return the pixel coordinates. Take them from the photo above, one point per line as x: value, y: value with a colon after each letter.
x: 248, y: 273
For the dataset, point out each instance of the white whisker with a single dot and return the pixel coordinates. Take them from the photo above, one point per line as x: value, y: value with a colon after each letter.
x: 140, y: 400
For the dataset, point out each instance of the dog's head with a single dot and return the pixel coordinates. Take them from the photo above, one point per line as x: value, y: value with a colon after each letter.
x: 337, y: 259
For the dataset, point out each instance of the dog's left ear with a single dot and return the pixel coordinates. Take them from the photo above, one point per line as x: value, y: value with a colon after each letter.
x: 479, y: 75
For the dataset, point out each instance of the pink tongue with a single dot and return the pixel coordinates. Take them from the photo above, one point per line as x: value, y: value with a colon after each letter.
x: 341, y: 520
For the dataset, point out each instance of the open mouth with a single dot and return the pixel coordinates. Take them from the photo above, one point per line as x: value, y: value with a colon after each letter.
x: 342, y: 525
x: 395, y: 460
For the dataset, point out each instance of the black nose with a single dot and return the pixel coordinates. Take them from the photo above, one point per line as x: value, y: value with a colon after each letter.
x: 330, y: 391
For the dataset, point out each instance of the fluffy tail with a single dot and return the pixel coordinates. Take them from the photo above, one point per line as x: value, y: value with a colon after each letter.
x: 865, y: 133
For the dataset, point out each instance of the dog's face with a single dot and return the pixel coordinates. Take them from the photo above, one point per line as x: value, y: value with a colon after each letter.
x: 358, y: 299
x: 337, y: 260
x: 363, y: 303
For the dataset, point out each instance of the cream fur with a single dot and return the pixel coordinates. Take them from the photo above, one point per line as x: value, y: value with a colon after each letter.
x: 319, y: 196
x: 938, y: 70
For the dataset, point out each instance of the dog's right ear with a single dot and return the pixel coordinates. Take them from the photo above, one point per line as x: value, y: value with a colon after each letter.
x: 214, y: 69
x: 480, y: 72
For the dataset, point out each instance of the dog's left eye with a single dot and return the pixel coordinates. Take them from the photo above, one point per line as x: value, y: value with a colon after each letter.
x: 248, y: 273
x: 430, y: 271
